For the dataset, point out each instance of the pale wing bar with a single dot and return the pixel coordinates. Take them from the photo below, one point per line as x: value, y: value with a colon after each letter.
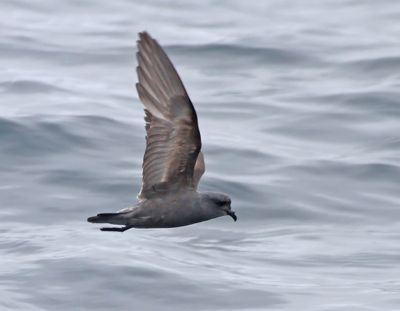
x: 199, y: 169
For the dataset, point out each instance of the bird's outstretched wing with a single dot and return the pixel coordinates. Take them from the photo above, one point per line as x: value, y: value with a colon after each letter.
x: 173, y: 139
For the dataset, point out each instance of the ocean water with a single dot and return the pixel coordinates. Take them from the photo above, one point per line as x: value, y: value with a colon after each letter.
x: 298, y: 105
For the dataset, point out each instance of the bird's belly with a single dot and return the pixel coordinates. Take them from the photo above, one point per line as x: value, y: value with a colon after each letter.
x: 168, y: 221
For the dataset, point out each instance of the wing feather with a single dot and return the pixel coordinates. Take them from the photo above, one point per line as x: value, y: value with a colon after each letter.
x: 199, y: 169
x: 173, y: 139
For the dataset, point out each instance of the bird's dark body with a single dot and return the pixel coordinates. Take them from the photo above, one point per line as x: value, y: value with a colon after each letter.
x: 166, y: 211
x: 173, y: 162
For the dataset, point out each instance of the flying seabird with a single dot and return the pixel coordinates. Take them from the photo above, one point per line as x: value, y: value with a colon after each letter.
x: 173, y: 162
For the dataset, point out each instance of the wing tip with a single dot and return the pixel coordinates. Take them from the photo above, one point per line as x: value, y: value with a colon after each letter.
x: 144, y: 38
x: 144, y: 33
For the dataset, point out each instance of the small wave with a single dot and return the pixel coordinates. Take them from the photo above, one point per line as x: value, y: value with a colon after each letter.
x: 67, y: 57
x: 242, y: 54
x: 28, y: 137
x: 380, y: 65
x: 29, y: 86
x: 350, y: 104
x: 360, y: 171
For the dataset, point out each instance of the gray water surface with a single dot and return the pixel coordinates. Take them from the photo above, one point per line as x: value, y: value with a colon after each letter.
x: 298, y: 105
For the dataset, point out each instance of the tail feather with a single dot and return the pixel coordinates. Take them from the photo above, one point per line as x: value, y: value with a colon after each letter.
x: 112, y: 218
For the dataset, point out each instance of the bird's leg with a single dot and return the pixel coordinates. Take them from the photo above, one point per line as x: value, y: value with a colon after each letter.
x: 117, y: 229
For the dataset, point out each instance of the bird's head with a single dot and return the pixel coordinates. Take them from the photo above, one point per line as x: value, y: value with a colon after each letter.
x: 221, y: 204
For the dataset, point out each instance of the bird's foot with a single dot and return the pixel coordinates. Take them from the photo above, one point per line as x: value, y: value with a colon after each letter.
x: 117, y: 229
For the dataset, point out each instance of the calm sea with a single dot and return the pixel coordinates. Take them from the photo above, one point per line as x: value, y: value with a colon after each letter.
x: 298, y: 105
